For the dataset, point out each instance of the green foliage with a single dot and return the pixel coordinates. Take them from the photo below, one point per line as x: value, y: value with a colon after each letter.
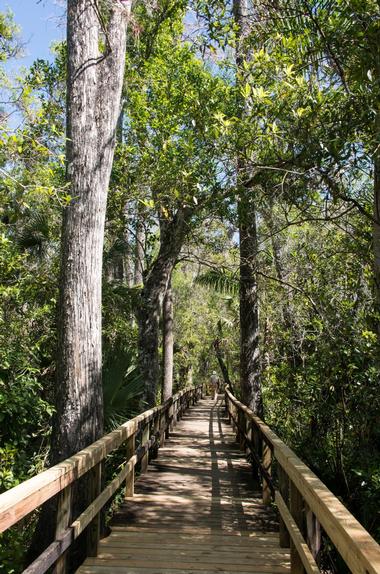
x: 221, y: 280
x: 122, y: 385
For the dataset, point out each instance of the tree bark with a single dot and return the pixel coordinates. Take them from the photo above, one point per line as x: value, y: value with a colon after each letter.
x: 376, y: 226
x: 222, y: 364
x: 94, y: 91
x: 127, y: 259
x: 168, y: 344
x: 140, y: 247
x: 173, y: 235
x: 250, y: 381
x: 94, y: 84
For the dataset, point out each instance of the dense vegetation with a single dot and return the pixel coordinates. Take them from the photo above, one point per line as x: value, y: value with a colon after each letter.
x: 271, y: 128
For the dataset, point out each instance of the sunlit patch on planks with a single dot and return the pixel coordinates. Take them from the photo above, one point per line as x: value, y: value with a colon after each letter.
x: 195, y: 510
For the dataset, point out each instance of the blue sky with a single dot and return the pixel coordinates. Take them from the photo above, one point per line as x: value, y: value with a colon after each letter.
x: 42, y: 22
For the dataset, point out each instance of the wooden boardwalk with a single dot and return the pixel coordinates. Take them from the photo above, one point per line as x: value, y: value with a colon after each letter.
x: 195, y: 510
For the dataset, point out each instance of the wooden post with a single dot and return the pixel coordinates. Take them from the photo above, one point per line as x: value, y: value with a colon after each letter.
x: 130, y: 480
x: 242, y: 430
x: 228, y: 410
x: 144, y: 439
x: 163, y: 419
x: 179, y: 408
x: 93, y: 529
x: 313, y: 532
x: 283, y: 481
x: 156, y: 434
x: 257, y: 448
x: 237, y: 425
x: 234, y: 415
x: 63, y: 521
x: 296, y: 510
x: 267, y: 464
x: 168, y: 415
x: 173, y: 415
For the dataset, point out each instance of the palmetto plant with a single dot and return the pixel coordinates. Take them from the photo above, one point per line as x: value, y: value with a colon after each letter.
x: 35, y: 234
x: 221, y: 280
x: 122, y: 385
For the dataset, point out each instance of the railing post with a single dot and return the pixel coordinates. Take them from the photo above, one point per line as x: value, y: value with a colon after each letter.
x: 156, y: 434
x: 297, y: 512
x: 93, y: 529
x: 242, y: 429
x: 257, y: 447
x: 313, y: 531
x: 144, y: 439
x: 130, y: 480
x: 267, y: 464
x: 228, y: 409
x: 238, y: 421
x: 283, y: 483
x: 179, y: 409
x: 168, y: 418
x: 62, y: 523
x: 233, y: 417
x: 163, y: 421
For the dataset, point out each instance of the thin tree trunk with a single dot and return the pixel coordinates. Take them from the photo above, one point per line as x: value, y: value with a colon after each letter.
x: 124, y: 267
x: 127, y: 262
x: 140, y: 246
x: 250, y: 382
x: 168, y: 344
x: 376, y: 227
x: 94, y: 84
x: 222, y: 364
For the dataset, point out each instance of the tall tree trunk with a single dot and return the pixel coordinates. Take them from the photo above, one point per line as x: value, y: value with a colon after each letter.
x: 140, y: 246
x: 94, y: 90
x: 168, y: 344
x: 124, y: 270
x: 376, y: 224
x: 250, y: 382
x: 94, y: 84
x: 127, y: 261
x: 152, y: 296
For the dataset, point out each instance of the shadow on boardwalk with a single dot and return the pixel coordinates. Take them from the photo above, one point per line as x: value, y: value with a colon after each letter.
x: 195, y: 510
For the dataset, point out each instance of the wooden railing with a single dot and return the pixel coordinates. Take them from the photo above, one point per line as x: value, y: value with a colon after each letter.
x: 140, y: 437
x: 304, y: 503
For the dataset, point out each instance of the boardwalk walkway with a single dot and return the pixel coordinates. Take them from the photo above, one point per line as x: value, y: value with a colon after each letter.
x: 195, y: 511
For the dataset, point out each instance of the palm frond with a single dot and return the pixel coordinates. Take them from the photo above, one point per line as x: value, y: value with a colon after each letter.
x: 122, y: 384
x: 221, y: 280
x: 35, y: 234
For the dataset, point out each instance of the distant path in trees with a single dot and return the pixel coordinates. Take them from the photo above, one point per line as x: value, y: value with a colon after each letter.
x: 195, y: 509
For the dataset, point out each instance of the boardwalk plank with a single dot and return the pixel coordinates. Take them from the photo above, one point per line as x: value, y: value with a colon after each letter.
x: 195, y: 511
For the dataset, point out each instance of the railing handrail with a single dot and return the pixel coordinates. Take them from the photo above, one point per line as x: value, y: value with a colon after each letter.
x: 21, y: 500
x: 357, y: 547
